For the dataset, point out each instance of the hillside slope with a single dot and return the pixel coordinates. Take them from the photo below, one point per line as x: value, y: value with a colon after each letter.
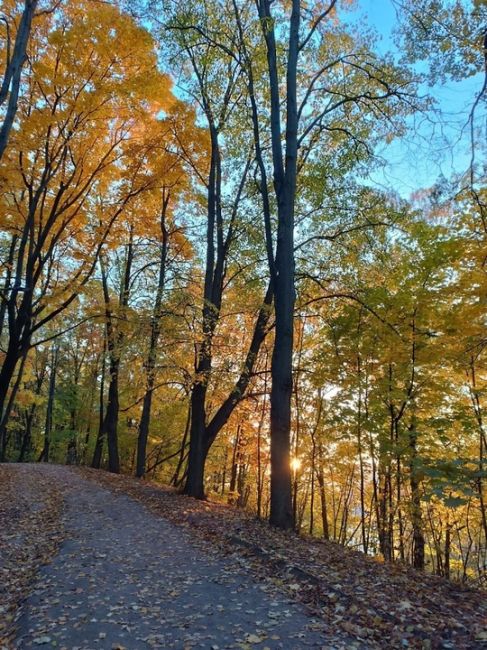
x: 350, y: 600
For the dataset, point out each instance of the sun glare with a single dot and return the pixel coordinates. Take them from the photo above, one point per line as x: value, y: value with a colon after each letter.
x: 295, y: 464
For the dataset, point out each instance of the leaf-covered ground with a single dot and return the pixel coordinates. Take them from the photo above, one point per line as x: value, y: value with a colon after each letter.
x: 185, y: 574
x: 30, y: 533
x: 127, y: 578
x: 382, y: 606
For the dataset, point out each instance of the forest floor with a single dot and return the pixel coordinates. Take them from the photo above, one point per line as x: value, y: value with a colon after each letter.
x: 134, y: 565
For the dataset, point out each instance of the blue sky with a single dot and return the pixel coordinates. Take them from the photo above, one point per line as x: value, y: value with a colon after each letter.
x: 437, y: 144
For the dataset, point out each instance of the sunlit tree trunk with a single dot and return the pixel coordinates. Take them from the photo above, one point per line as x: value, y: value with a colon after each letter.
x: 285, y: 175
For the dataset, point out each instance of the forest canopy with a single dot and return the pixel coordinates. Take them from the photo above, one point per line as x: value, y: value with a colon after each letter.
x: 215, y: 271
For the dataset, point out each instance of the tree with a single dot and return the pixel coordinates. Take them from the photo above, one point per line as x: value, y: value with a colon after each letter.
x: 298, y: 122
x: 172, y: 245
x: 73, y: 135
x: 219, y: 104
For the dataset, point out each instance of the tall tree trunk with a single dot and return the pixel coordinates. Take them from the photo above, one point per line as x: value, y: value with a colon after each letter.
x: 100, y: 438
x: 212, y: 297
x: 312, y: 493
x: 72, y: 452
x: 477, y: 407
x: 218, y: 242
x: 8, y: 409
x: 44, y: 457
x: 360, y: 443
x: 235, y: 463
x: 150, y: 362
x: 297, y: 436
x: 321, y: 482
x: 27, y: 435
x: 400, y: 521
x: 197, y: 454
x: 182, y: 453
x: 447, y: 547
x: 285, y: 175
x: 110, y: 425
x: 115, y: 339
x: 385, y: 542
x: 110, y: 421
x: 324, y: 508
x: 416, y: 512
x: 314, y: 461
x: 144, y: 426
x: 281, y: 514
x: 260, y: 472
x: 221, y: 417
x: 6, y: 375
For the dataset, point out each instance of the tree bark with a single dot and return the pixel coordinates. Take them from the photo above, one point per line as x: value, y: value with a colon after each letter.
x: 155, y: 333
x: 212, y: 297
x: 44, y: 457
x: 5, y: 414
x: 115, y: 338
x: 416, y: 512
x: 194, y: 485
x: 100, y: 438
x: 285, y: 176
x: 183, y: 454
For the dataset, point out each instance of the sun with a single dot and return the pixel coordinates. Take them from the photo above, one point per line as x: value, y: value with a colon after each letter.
x: 295, y: 464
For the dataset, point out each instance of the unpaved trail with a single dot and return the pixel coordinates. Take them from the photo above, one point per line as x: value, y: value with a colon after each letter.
x: 126, y: 578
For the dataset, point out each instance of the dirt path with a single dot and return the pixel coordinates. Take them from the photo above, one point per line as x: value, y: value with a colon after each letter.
x: 126, y: 578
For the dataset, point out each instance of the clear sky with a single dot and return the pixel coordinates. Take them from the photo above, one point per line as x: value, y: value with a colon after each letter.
x: 438, y: 143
